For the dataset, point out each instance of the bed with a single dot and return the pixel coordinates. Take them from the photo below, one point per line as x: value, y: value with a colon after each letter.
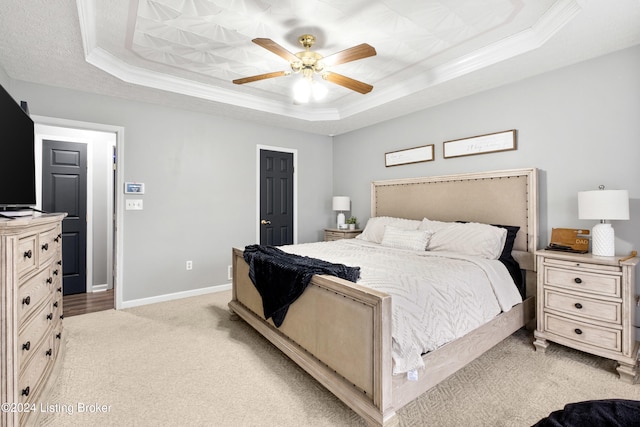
x: 340, y: 332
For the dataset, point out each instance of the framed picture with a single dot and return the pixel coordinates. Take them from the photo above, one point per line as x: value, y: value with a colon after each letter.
x: 410, y: 155
x: 490, y: 143
x: 133, y: 188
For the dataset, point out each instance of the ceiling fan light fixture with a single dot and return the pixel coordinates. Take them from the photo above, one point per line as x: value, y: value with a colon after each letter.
x: 302, y: 91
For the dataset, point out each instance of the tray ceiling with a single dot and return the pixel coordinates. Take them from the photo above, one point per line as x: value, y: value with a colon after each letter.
x: 428, y: 52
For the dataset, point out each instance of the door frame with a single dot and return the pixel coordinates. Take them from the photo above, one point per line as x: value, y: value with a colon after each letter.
x: 260, y: 147
x: 118, y: 232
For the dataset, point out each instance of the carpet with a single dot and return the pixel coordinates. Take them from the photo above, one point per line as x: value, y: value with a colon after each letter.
x: 185, y: 363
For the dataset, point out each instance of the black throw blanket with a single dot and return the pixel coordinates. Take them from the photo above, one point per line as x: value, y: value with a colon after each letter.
x: 280, y: 277
x: 595, y: 413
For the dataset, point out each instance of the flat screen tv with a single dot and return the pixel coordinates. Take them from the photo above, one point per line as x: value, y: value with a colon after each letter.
x: 17, y: 156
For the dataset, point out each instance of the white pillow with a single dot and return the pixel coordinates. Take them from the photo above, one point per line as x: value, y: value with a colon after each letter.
x: 374, y: 230
x: 469, y: 238
x: 416, y: 240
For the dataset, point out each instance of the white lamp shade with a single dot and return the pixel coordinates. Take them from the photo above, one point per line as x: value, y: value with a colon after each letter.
x: 341, y: 203
x: 603, y: 204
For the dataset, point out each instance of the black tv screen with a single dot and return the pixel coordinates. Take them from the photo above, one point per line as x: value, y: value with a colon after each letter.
x: 17, y: 155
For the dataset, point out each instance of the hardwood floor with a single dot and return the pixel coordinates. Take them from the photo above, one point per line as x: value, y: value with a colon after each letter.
x: 72, y: 305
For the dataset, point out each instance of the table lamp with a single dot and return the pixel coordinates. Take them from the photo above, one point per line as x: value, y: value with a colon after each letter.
x: 603, y: 205
x: 341, y: 204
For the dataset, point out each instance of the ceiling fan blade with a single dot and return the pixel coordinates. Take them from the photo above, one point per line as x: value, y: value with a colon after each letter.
x: 353, y: 53
x: 274, y: 47
x: 348, y: 82
x: 261, y: 77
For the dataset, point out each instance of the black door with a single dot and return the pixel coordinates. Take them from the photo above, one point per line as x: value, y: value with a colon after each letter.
x: 276, y: 198
x: 64, y: 189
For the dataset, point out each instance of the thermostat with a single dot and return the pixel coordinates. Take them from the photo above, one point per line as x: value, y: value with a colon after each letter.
x: 134, y: 188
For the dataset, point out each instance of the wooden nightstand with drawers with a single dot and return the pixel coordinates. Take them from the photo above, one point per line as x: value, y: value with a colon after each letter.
x: 337, y: 234
x: 587, y: 303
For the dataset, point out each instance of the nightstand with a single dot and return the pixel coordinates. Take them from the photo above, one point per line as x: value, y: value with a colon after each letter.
x: 336, y: 234
x: 587, y: 303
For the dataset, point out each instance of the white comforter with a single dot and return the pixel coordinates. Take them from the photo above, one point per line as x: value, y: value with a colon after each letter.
x: 436, y: 296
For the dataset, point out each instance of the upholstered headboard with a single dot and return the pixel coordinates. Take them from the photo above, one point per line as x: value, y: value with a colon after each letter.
x: 507, y: 197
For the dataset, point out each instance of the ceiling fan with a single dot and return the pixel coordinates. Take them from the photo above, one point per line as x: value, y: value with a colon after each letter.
x: 309, y: 63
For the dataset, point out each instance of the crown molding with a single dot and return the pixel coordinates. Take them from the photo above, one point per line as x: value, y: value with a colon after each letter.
x: 562, y: 12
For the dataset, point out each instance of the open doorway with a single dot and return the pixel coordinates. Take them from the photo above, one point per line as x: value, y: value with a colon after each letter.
x: 100, y: 289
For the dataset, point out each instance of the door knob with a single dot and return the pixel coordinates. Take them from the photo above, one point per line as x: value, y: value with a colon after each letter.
x: 265, y: 222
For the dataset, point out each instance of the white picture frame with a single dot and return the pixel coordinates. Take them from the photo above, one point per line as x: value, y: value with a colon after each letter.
x: 424, y: 153
x: 481, y: 144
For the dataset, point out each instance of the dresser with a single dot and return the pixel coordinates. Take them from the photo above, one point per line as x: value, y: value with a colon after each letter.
x: 337, y: 234
x: 587, y: 303
x: 30, y: 313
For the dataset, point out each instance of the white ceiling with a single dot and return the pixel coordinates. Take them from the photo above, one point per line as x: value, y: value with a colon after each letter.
x: 185, y: 53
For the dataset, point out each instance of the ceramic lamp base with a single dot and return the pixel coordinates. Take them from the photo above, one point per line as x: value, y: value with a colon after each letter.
x: 603, y: 240
x: 341, y: 224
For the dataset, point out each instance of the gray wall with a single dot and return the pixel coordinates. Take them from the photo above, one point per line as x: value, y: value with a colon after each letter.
x: 579, y: 125
x: 200, y: 177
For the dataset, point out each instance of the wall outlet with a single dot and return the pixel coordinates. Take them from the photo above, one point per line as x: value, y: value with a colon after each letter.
x: 229, y: 272
x: 189, y: 265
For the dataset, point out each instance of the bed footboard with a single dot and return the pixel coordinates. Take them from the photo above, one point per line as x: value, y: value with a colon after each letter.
x: 337, y: 331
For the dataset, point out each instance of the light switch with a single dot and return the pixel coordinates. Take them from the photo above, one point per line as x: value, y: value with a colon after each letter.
x: 133, y: 204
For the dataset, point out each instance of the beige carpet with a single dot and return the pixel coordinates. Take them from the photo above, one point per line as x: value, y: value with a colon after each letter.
x: 184, y: 363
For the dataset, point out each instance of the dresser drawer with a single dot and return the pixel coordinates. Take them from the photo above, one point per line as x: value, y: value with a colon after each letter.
x: 38, y: 328
x: 33, y: 292
x: 27, y: 254
x: 609, y: 339
x: 581, y: 281
x: 32, y: 376
x: 606, y: 311
x: 49, y: 243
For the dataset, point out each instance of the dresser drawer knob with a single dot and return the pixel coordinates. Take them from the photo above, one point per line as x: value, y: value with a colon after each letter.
x: 59, y: 262
x: 61, y: 316
x: 25, y: 391
x: 48, y: 352
x: 578, y: 331
x: 28, y: 254
x: 577, y: 280
x: 55, y: 272
x: 50, y: 280
x: 59, y: 289
x: 45, y: 247
x: 578, y: 305
x: 55, y: 304
x: 26, y: 300
x: 50, y: 316
x: 26, y: 346
x: 59, y: 335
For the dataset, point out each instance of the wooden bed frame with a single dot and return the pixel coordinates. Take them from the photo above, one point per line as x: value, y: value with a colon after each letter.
x: 340, y: 332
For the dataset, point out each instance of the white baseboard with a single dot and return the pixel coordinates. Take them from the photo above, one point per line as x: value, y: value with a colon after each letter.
x: 100, y: 288
x: 174, y: 296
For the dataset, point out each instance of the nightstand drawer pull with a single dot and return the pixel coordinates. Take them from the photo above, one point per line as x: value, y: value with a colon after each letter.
x: 577, y: 280
x: 578, y: 331
x: 25, y: 391
x: 26, y: 300
x: 26, y: 346
x: 45, y: 247
x: 577, y: 305
x: 28, y: 254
